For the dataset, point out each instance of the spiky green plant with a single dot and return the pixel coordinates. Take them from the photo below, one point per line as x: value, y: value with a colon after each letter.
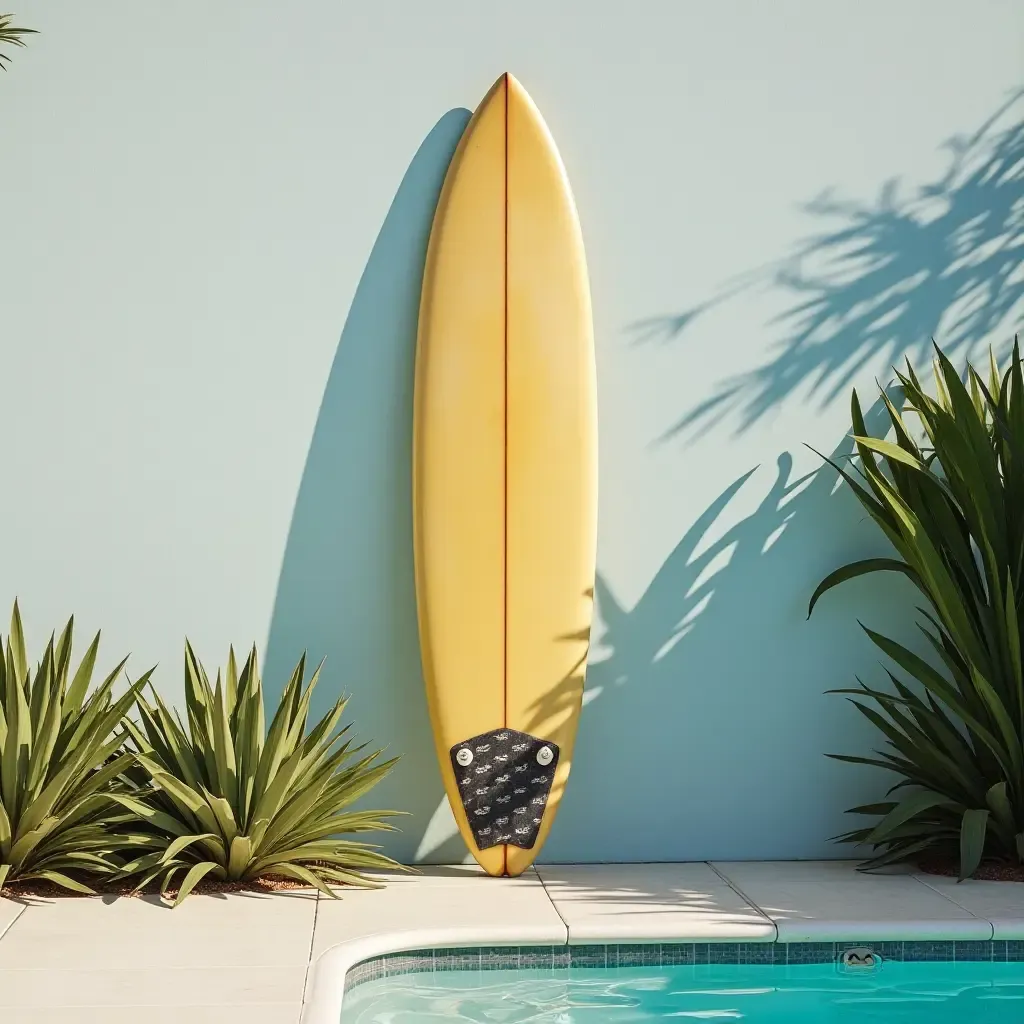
x: 60, y: 761
x: 11, y: 35
x: 952, y: 506
x: 234, y: 801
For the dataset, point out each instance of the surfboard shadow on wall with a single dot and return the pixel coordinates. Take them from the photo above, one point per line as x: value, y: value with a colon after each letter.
x: 346, y: 590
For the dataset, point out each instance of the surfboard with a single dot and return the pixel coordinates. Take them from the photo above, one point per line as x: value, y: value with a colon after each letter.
x: 505, y: 479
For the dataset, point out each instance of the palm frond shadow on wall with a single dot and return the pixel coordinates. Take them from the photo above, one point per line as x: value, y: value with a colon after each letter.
x: 879, y: 280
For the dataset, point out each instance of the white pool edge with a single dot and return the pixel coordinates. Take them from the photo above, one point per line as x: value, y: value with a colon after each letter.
x: 325, y: 987
x: 325, y: 990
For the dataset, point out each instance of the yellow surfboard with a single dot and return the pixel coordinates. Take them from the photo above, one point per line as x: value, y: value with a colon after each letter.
x: 505, y: 479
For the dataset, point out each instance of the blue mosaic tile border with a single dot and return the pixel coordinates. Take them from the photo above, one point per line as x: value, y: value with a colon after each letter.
x: 669, y: 954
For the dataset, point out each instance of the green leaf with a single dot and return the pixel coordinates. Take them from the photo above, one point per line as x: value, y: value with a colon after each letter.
x: 62, y: 880
x: 890, y: 451
x: 896, y: 854
x: 972, y: 841
x: 1002, y: 810
x: 239, y: 857
x: 909, y: 807
x: 303, y: 874
x: 861, y: 568
x: 30, y: 841
x: 181, y: 843
x: 146, y: 812
x: 195, y: 875
x: 5, y: 834
x: 17, y: 643
x: 83, y: 677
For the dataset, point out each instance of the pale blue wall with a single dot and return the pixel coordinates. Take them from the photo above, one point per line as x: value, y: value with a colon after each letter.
x: 202, y: 199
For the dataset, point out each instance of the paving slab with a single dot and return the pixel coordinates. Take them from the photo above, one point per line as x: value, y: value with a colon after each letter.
x: 1000, y: 903
x: 651, y: 903
x: 182, y: 987
x: 10, y: 911
x: 265, y: 1013
x: 442, y: 906
x: 812, y: 901
x: 229, y: 930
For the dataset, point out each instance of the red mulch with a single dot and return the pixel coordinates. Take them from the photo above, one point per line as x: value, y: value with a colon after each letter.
x: 988, y: 871
x: 47, y: 890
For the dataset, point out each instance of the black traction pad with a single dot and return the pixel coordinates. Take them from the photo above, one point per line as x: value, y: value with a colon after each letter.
x: 504, y: 779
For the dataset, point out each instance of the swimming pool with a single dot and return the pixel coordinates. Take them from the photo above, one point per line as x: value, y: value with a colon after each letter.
x: 979, y: 990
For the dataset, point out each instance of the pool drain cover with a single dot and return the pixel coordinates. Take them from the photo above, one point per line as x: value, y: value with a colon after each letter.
x: 504, y: 780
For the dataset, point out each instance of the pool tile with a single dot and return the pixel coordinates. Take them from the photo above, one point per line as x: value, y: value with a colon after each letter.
x: 758, y: 952
x: 499, y: 958
x: 407, y: 964
x: 647, y: 955
x: 723, y: 953
x: 537, y: 958
x: 457, y: 959
x: 973, y: 951
x: 669, y: 954
x: 917, y: 952
x: 587, y: 956
x: 677, y: 954
x: 810, y: 952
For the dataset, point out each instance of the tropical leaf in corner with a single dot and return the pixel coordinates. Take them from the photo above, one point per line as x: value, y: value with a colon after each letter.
x: 952, y: 507
x: 11, y: 35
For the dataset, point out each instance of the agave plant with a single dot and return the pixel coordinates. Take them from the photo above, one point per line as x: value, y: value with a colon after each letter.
x: 11, y: 35
x: 233, y: 800
x: 61, y: 759
x: 952, y: 506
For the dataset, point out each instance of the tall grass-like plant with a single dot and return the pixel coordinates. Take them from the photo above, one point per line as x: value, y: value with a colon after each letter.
x: 11, y: 35
x: 61, y: 760
x: 952, y: 505
x: 235, y: 801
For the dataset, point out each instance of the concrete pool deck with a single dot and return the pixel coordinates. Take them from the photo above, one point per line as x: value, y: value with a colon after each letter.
x: 258, y: 958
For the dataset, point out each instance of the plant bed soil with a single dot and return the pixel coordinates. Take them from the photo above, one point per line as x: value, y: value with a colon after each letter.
x: 988, y: 871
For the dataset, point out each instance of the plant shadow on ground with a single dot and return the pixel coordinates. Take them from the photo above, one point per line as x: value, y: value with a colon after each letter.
x: 346, y: 588
x: 944, y: 261
x: 654, y: 889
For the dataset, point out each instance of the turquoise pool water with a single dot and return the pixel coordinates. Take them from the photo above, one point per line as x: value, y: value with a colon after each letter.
x: 895, y: 993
